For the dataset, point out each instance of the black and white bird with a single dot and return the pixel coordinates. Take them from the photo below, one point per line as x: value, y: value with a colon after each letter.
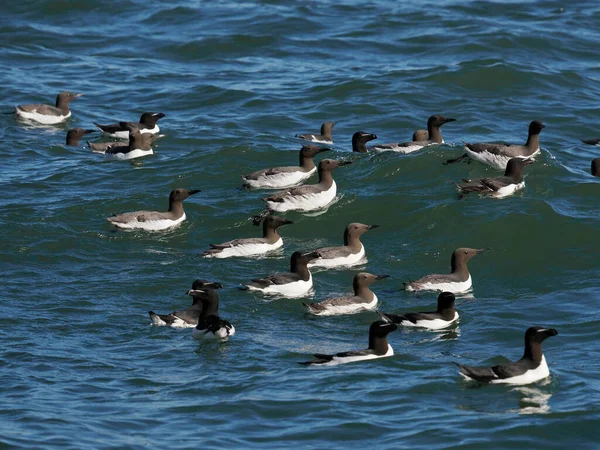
x: 146, y: 143
x: 269, y: 241
x: 310, y: 196
x: 499, y: 187
x: 136, y: 148
x: 378, y: 348
x: 434, y: 137
x: 155, y: 220
x: 147, y: 124
x: 74, y: 135
x: 364, y: 299
x: 349, y: 254
x: 530, y: 368
x: 283, y: 177
x: 444, y: 316
x: 360, y: 139
x: 186, y: 318
x: 497, y: 155
x: 210, y: 326
x: 47, y: 114
x: 457, y: 281
x: 295, y: 283
x: 323, y: 138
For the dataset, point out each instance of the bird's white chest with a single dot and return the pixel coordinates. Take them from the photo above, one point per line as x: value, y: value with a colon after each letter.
x: 280, y: 180
x: 454, y: 287
x: 248, y: 249
x: 42, y: 118
x: 221, y: 334
x: 348, y: 359
x: 531, y: 376
x: 435, y: 324
x: 151, y: 225
x: 294, y: 289
x: 508, y: 190
x: 305, y: 202
x: 132, y: 154
x: 350, y: 260
x: 334, y: 310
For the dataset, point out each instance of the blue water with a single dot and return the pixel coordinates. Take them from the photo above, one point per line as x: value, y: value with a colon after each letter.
x: 81, y: 365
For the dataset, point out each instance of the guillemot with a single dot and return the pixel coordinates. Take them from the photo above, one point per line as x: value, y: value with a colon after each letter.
x: 378, y: 348
x: 186, y: 318
x: 457, y: 281
x: 364, y: 299
x: 498, y: 155
x: 499, y: 187
x: 46, y: 114
x: 155, y: 220
x: 351, y: 253
x: 323, y: 138
x: 75, y: 134
x: 360, y: 139
x: 101, y: 147
x: 269, y: 241
x: 530, y: 368
x: 282, y: 177
x: 136, y: 148
x: 147, y: 124
x: 295, y: 283
x: 434, y: 137
x: 444, y: 316
x: 210, y: 325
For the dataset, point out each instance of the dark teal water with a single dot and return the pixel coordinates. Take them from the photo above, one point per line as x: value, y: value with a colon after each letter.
x: 82, y: 367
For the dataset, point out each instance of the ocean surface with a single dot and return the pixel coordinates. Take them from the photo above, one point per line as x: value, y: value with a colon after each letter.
x: 81, y: 366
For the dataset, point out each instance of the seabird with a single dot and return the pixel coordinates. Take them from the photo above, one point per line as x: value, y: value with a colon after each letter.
x: 434, y: 137
x: 186, y: 318
x: 46, y: 114
x: 499, y: 187
x: 136, y: 148
x: 154, y: 220
x: 75, y: 134
x: 308, y: 197
x: 363, y: 299
x: 359, y: 140
x: 420, y: 135
x: 596, y: 167
x: 210, y: 325
x: 351, y: 253
x: 444, y: 316
x: 498, y: 155
x: 269, y: 241
x: 295, y: 283
x: 457, y: 281
x: 530, y: 368
x: 323, y: 138
x: 283, y: 177
x: 378, y: 348
x: 101, y: 147
x: 147, y: 124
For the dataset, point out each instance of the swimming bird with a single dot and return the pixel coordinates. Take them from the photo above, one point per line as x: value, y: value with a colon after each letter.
x: 364, y: 299
x: 420, y: 135
x: 378, y: 348
x: 75, y: 134
x: 349, y: 254
x: 434, y: 137
x: 46, y: 114
x: 101, y: 147
x: 323, y: 138
x: 154, y: 220
x: 457, y: 281
x: 311, y: 196
x: 530, y: 368
x: 295, y: 283
x: 136, y: 148
x: 269, y: 241
x: 444, y: 316
x: 282, y: 177
x: 147, y: 124
x: 210, y: 325
x: 498, y: 155
x: 596, y: 167
x: 359, y: 140
x: 499, y: 187
x: 186, y: 318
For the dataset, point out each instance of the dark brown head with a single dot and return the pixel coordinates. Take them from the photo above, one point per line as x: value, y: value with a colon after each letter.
x: 515, y: 166
x: 179, y: 194
x: 309, y: 151
x: 301, y: 259
x: 437, y: 121
x: 536, y: 127
x: 445, y: 301
x: 355, y: 230
x: 200, y: 286
x: 538, y: 334
x: 596, y: 167
x: 75, y: 134
x: 149, y: 119
x: 359, y: 140
x: 420, y: 135
x: 378, y: 335
x: 364, y: 279
x: 329, y: 165
x: 326, y: 128
x: 64, y: 98
x: 274, y: 222
x: 460, y: 256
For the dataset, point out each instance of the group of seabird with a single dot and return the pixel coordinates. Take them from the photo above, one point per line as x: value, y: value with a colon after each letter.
x: 203, y: 314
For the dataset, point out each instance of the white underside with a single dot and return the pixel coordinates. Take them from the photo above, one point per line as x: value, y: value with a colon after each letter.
x: 125, y: 134
x: 295, y: 289
x: 132, y: 154
x: 351, y: 260
x: 41, y: 118
x: 436, y: 324
x: 402, y: 149
x: 150, y: 225
x: 332, y: 310
x: 508, y: 190
x: 531, y: 376
x: 313, y: 138
x: 305, y: 202
x: 280, y: 180
x: 178, y: 323
x: 456, y: 288
x: 348, y: 359
x: 222, y: 333
x: 246, y: 250
x: 496, y: 161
